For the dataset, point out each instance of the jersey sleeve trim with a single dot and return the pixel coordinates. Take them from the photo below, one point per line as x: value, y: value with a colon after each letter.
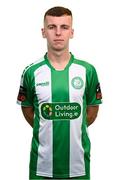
x: 97, y: 104
x: 25, y: 105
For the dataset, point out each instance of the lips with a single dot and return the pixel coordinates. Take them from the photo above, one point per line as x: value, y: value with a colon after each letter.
x: 58, y: 40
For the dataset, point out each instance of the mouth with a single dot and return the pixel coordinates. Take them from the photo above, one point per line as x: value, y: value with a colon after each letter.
x: 58, y: 40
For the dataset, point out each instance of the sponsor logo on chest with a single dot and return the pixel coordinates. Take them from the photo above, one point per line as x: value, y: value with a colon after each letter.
x: 59, y: 111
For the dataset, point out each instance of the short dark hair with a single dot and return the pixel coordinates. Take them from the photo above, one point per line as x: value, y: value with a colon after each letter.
x: 58, y: 11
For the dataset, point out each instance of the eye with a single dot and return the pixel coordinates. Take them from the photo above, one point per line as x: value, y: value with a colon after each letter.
x: 65, y: 27
x: 51, y: 27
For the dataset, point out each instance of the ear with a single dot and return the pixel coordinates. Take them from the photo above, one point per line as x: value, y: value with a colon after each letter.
x: 43, y: 32
x: 72, y: 34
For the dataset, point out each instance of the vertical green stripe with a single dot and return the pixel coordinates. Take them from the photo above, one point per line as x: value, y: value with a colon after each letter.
x: 61, y: 128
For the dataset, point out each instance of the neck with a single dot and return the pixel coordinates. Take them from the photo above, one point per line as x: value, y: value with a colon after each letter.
x: 59, y: 59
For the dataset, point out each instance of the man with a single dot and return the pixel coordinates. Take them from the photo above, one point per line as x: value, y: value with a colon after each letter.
x: 60, y: 97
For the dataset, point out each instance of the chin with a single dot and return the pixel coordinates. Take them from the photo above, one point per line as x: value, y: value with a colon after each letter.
x: 58, y: 49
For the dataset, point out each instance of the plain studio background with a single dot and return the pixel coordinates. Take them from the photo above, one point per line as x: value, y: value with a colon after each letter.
x: 96, y: 40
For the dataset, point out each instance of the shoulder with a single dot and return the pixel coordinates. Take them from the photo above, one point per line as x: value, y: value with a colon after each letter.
x: 30, y: 69
x: 83, y: 63
x: 88, y: 66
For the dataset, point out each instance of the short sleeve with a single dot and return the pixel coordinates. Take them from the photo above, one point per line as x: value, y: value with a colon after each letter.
x: 93, y: 89
x: 25, y: 93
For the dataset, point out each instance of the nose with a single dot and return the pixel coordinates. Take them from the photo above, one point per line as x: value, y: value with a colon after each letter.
x: 58, y: 31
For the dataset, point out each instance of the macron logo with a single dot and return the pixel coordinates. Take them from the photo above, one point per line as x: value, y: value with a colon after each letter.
x: 43, y: 83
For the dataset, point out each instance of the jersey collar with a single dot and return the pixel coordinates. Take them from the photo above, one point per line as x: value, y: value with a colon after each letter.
x: 67, y: 66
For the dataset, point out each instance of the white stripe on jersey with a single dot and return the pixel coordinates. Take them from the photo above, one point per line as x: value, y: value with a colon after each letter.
x: 44, y: 162
x: 77, y: 163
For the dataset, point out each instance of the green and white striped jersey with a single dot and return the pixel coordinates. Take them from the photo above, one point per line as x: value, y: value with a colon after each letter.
x: 60, y: 144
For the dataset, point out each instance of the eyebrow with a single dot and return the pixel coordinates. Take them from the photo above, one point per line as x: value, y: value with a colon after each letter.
x: 54, y: 25
x: 51, y: 25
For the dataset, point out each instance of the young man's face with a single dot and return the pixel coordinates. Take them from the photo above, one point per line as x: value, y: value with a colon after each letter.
x: 58, y: 31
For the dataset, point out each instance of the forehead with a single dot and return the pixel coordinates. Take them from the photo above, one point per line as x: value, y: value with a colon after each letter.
x: 58, y: 20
